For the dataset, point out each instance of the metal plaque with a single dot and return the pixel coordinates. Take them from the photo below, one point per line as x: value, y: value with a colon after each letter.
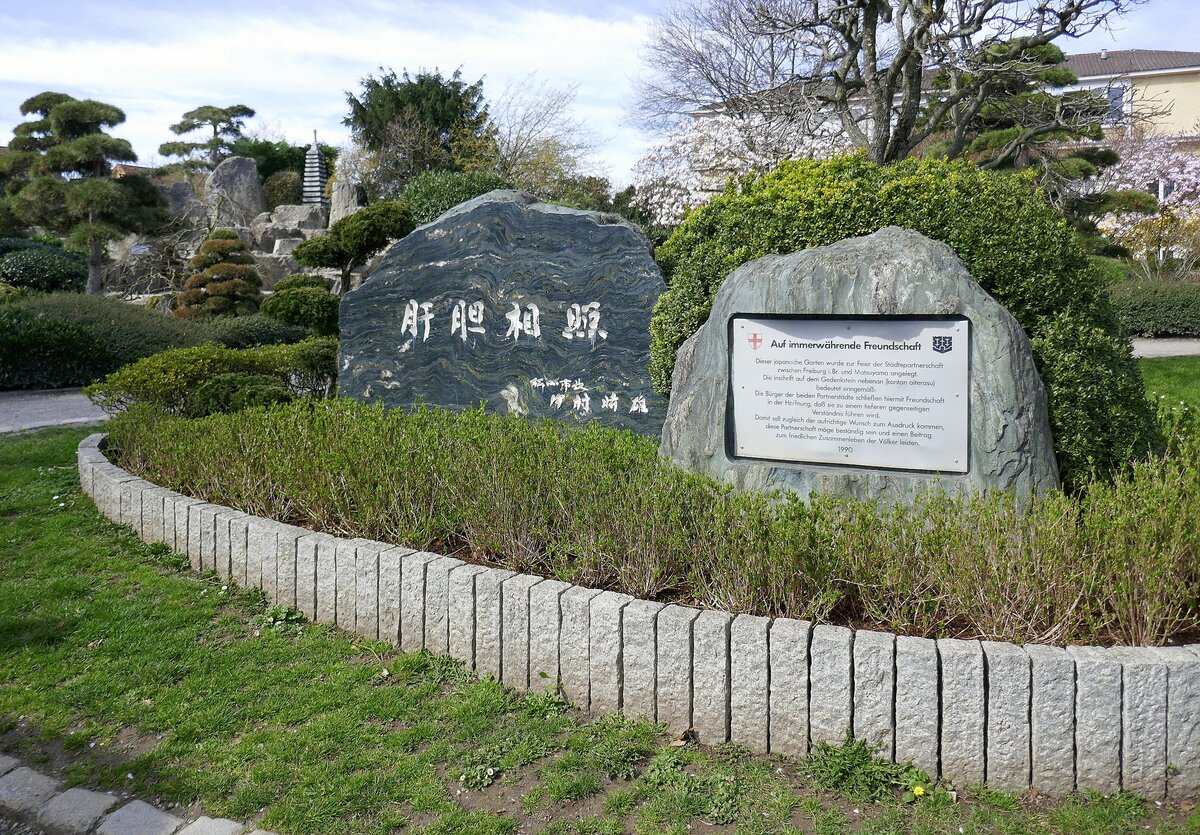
x: 887, y: 392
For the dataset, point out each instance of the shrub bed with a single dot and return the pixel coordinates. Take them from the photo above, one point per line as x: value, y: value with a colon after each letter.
x: 181, y: 381
x: 599, y: 507
x: 70, y: 339
x: 1158, y: 308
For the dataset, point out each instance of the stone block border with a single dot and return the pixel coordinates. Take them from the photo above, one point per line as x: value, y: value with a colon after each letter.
x: 1014, y: 716
x: 39, y: 801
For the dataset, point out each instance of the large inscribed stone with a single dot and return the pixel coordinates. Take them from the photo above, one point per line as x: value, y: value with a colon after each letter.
x: 529, y: 308
x: 875, y: 367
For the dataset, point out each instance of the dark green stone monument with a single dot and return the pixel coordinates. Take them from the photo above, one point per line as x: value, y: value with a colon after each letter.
x: 526, y: 307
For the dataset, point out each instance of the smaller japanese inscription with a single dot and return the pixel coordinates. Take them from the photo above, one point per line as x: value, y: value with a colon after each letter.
x: 506, y: 301
x: 881, y: 391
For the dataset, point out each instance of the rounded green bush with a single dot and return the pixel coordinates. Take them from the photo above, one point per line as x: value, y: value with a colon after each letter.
x: 253, y: 330
x: 45, y: 270
x: 306, y: 307
x: 430, y: 194
x: 169, y: 380
x: 301, y: 280
x: 233, y: 392
x: 1011, y: 239
x: 223, y: 235
x: 283, y: 188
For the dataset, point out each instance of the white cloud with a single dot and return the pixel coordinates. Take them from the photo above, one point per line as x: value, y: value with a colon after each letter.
x: 294, y: 68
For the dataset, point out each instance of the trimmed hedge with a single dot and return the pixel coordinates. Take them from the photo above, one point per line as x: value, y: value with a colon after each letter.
x: 1158, y: 308
x: 35, y: 349
x: 251, y: 331
x: 36, y: 333
x: 172, y: 380
x: 1015, y: 244
x: 301, y: 280
x: 307, y: 307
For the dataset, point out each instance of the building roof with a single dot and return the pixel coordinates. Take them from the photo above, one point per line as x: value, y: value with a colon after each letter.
x: 1108, y: 62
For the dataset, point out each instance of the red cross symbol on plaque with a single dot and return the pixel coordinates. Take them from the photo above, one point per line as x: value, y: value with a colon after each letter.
x: 755, y: 339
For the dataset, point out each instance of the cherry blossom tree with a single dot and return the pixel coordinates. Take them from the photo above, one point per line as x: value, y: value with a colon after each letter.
x: 698, y: 158
x: 1164, y: 244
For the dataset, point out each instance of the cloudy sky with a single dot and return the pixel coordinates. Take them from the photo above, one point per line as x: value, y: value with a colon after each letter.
x: 293, y: 62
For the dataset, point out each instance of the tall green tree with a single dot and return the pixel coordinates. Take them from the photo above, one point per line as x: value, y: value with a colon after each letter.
x: 404, y: 125
x: 225, y: 124
x: 59, y: 173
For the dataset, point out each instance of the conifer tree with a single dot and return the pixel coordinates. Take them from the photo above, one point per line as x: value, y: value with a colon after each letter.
x: 59, y: 172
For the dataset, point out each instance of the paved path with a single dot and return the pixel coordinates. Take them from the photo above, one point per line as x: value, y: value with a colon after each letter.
x: 32, y: 802
x: 32, y: 409
x: 1165, y: 347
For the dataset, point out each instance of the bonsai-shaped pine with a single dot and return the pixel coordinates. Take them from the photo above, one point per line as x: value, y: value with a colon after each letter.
x: 352, y: 241
x: 226, y: 124
x: 225, y: 282
x: 57, y: 175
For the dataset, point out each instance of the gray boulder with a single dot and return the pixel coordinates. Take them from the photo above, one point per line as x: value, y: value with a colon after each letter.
x: 233, y: 193
x: 346, y: 199
x: 272, y: 268
x: 309, y: 219
x: 179, y: 196
x: 284, y: 246
x: 529, y: 308
x: 892, y: 272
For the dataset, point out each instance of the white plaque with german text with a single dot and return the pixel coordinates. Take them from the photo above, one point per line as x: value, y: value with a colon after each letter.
x: 882, y: 392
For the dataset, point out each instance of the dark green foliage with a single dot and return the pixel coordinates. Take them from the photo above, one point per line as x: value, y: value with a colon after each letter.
x: 171, y: 380
x: 352, y: 241
x: 235, y: 391
x: 1010, y: 238
x: 8, y: 245
x: 444, y: 105
x: 58, y: 170
x: 39, y: 352
x: 1156, y: 308
x: 430, y: 194
x: 307, y: 307
x: 44, y: 269
x: 301, y: 280
x: 273, y: 157
x: 225, y: 123
x: 225, y: 282
x: 283, y: 188
x: 252, y: 331
x: 108, y: 333
x: 621, y: 517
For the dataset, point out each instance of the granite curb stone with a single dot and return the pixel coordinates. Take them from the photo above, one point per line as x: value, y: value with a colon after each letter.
x: 139, y: 818
x: 75, y: 811
x: 23, y: 790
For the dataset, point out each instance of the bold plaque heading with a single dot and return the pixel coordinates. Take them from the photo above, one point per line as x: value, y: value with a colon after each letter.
x: 885, y: 392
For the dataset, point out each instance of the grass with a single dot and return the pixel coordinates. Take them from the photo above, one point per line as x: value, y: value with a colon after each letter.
x: 119, y: 669
x: 1176, y: 379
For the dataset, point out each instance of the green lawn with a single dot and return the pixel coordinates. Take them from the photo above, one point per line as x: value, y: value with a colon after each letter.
x: 121, y: 670
x: 1173, y: 378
